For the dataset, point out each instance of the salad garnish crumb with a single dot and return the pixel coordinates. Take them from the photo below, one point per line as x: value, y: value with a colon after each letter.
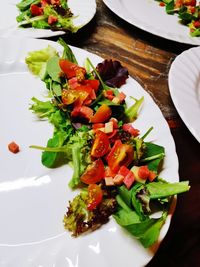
x: 115, y: 169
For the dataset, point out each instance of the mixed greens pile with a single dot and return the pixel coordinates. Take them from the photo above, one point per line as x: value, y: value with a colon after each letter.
x: 46, y: 14
x: 116, y: 170
x: 188, y: 13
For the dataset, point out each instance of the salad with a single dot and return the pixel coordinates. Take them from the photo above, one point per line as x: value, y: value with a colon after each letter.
x: 46, y: 14
x: 188, y: 13
x: 116, y: 172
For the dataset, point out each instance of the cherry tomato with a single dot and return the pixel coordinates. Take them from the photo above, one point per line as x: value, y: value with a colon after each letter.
x: 92, y: 83
x: 95, y: 196
x: 102, y: 114
x: 120, y: 154
x: 36, y: 10
x: 94, y: 172
x: 101, y: 145
x: 71, y: 70
x: 69, y: 96
x: 82, y: 112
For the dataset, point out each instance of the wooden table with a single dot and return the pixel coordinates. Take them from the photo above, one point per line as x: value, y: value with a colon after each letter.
x: 148, y: 59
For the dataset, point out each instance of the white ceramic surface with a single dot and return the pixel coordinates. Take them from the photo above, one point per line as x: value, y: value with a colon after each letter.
x: 184, y: 85
x: 83, y: 9
x: 33, y: 199
x: 149, y: 16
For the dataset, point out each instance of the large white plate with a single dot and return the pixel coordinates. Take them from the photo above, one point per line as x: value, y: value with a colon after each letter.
x: 83, y: 9
x: 149, y: 16
x: 33, y: 199
x: 184, y: 86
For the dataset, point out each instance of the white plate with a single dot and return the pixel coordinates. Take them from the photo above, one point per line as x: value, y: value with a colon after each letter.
x: 83, y: 9
x: 184, y: 86
x: 149, y: 16
x: 33, y: 199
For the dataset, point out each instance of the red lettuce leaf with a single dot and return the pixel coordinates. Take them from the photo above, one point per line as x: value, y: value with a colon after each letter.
x: 112, y: 73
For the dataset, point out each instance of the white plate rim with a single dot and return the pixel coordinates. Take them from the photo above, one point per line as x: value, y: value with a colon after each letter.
x: 84, y: 10
x: 139, y: 23
x: 183, y: 79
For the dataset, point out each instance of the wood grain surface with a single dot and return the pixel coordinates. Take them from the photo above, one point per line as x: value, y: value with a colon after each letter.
x: 148, y: 59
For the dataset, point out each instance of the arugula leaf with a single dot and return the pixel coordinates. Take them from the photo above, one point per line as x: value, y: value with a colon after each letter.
x: 131, y: 113
x: 67, y: 52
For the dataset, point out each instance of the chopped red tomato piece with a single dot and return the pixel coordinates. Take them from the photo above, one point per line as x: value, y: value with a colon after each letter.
x: 94, y: 172
x: 129, y: 179
x: 71, y: 70
x: 196, y: 24
x: 102, y: 114
x: 120, y: 154
x: 130, y: 129
x: 115, y: 123
x: 69, y: 96
x: 123, y: 171
x: 52, y: 19
x: 109, y: 172
x: 95, y: 196
x: 13, y: 147
x: 152, y: 176
x: 82, y: 112
x: 101, y: 145
x: 96, y: 126
x: 121, y: 97
x: 109, y: 94
x: 36, y: 10
x: 92, y: 83
x: 143, y: 172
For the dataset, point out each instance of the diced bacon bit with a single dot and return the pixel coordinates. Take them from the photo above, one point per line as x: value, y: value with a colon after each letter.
x: 129, y: 179
x: 121, y: 96
x: 52, y: 19
x: 13, y: 147
x: 118, y: 179
x: 143, y: 172
x: 116, y: 100
x: 130, y: 129
x: 109, y: 127
x: 152, y: 176
x: 109, y: 181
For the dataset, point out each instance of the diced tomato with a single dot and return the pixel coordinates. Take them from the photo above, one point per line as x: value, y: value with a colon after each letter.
x: 129, y: 179
x: 95, y: 196
x: 96, y: 126
x: 52, y: 19
x: 87, y: 89
x: 189, y: 2
x: 178, y: 3
x: 36, y: 10
x: 82, y: 112
x: 55, y: 2
x: 109, y: 172
x: 94, y: 172
x: 143, y: 172
x: 102, y: 114
x: 120, y: 154
x: 69, y: 96
x: 44, y: 3
x: 115, y: 123
x: 101, y: 145
x: 121, y: 96
x: 123, y: 170
x: 92, y: 83
x: 130, y: 129
x: 109, y: 94
x: 118, y: 179
x: 162, y: 4
x: 71, y: 70
x: 152, y: 176
x: 13, y: 147
x: 196, y: 24
x: 112, y: 135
